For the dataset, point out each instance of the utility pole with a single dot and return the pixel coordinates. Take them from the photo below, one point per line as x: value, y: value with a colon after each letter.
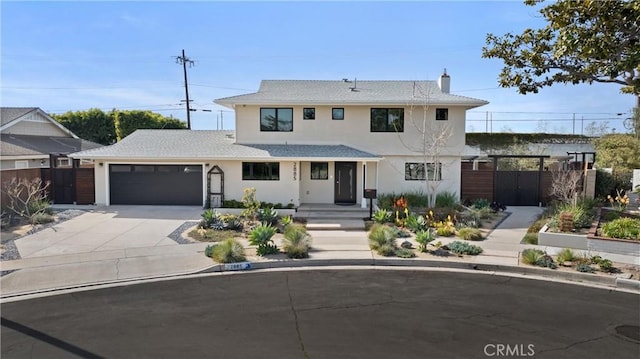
x: 184, y: 60
x: 221, y: 121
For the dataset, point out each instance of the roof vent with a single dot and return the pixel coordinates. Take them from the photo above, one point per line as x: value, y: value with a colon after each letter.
x: 355, y: 85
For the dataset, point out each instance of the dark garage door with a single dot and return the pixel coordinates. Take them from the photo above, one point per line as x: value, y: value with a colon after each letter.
x: 156, y: 184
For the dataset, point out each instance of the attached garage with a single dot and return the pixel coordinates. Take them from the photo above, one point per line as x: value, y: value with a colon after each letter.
x: 155, y: 184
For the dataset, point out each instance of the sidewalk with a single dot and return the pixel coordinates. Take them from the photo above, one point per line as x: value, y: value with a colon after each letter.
x: 48, y: 273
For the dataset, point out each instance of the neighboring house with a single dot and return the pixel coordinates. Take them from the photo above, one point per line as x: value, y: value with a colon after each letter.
x: 295, y: 142
x: 28, y: 137
x: 34, y: 145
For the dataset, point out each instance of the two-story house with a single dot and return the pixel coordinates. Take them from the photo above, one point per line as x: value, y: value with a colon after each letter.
x: 298, y: 142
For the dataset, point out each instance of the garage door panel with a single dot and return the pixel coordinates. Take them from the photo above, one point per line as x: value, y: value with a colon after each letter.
x: 157, y: 185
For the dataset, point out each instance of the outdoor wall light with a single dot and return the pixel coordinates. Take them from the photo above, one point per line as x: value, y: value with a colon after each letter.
x: 101, y: 164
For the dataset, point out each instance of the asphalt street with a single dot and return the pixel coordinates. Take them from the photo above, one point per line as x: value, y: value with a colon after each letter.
x: 354, y: 313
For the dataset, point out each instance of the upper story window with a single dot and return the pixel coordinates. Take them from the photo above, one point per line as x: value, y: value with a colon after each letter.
x: 442, y: 114
x: 387, y: 120
x: 414, y: 171
x: 261, y: 171
x: 308, y: 113
x: 276, y: 119
x: 337, y: 113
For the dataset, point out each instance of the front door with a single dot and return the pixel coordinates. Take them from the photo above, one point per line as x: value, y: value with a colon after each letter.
x: 345, y: 185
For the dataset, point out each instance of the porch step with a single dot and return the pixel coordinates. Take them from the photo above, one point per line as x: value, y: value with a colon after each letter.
x: 327, y: 217
x: 314, y: 224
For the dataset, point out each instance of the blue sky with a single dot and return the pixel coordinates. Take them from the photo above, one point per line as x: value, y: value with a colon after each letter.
x: 68, y: 56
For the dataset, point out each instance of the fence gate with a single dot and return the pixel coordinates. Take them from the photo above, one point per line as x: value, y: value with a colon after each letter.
x: 521, y: 187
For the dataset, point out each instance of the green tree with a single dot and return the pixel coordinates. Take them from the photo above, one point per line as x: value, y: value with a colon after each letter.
x: 618, y: 151
x: 107, y: 128
x: 92, y: 125
x: 126, y: 122
x: 585, y: 41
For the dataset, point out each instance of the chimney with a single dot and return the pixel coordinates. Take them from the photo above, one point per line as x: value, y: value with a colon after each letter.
x: 444, y: 82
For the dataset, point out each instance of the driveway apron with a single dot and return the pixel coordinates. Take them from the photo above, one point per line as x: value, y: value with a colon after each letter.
x: 109, y: 228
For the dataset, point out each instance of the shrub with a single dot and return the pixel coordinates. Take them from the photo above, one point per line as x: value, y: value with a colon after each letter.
x: 261, y: 237
x: 446, y: 199
x: 423, y: 238
x: 530, y: 238
x: 415, y: 222
x: 582, y: 217
x: 445, y: 231
x: 382, y: 239
x: 404, y: 253
x: 286, y: 221
x: 546, y: 261
x: 208, y: 251
x: 382, y: 216
x: 211, y: 235
x: 595, y: 260
x: 400, y: 233
x: 414, y: 199
x: 531, y: 255
x: 480, y: 203
x: 209, y: 216
x: 606, y: 266
x: 611, y: 215
x: 470, y: 234
x: 296, y: 241
x: 228, y: 251
x: 537, y: 225
x: 464, y: 248
x: 41, y: 218
x: 230, y: 221
x: 566, y: 255
x: 622, y: 228
x: 585, y: 268
x: 267, y: 215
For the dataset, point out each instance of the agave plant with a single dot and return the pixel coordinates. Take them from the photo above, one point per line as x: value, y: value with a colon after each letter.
x: 261, y: 237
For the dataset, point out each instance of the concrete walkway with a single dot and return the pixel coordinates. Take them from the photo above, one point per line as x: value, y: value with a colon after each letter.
x: 120, y: 256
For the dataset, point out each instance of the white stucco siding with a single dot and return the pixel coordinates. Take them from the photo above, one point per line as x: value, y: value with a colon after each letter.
x: 354, y: 130
x: 316, y: 190
x: 285, y: 191
x: 392, y: 176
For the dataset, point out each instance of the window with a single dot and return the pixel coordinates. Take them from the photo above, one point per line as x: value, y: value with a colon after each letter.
x: 319, y: 170
x: 309, y: 113
x: 144, y: 168
x: 21, y: 164
x: 120, y: 168
x: 442, y: 114
x: 414, y: 171
x: 387, y: 120
x: 276, y: 119
x: 337, y: 113
x: 63, y: 162
x: 261, y: 171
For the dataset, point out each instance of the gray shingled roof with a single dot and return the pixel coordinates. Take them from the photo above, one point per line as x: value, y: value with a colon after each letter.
x: 311, y: 92
x: 201, y: 144
x: 25, y: 145
x: 8, y: 114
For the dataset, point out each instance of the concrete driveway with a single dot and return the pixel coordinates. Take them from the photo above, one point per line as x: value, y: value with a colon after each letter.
x: 109, y: 228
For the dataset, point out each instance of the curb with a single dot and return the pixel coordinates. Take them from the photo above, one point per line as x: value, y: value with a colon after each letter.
x: 577, y: 278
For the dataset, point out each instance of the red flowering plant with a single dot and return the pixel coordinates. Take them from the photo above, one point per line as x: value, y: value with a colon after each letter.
x: 402, y: 210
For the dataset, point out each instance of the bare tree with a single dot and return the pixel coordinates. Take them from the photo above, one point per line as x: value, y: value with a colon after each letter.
x: 433, y: 137
x: 26, y: 197
x: 565, y: 185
